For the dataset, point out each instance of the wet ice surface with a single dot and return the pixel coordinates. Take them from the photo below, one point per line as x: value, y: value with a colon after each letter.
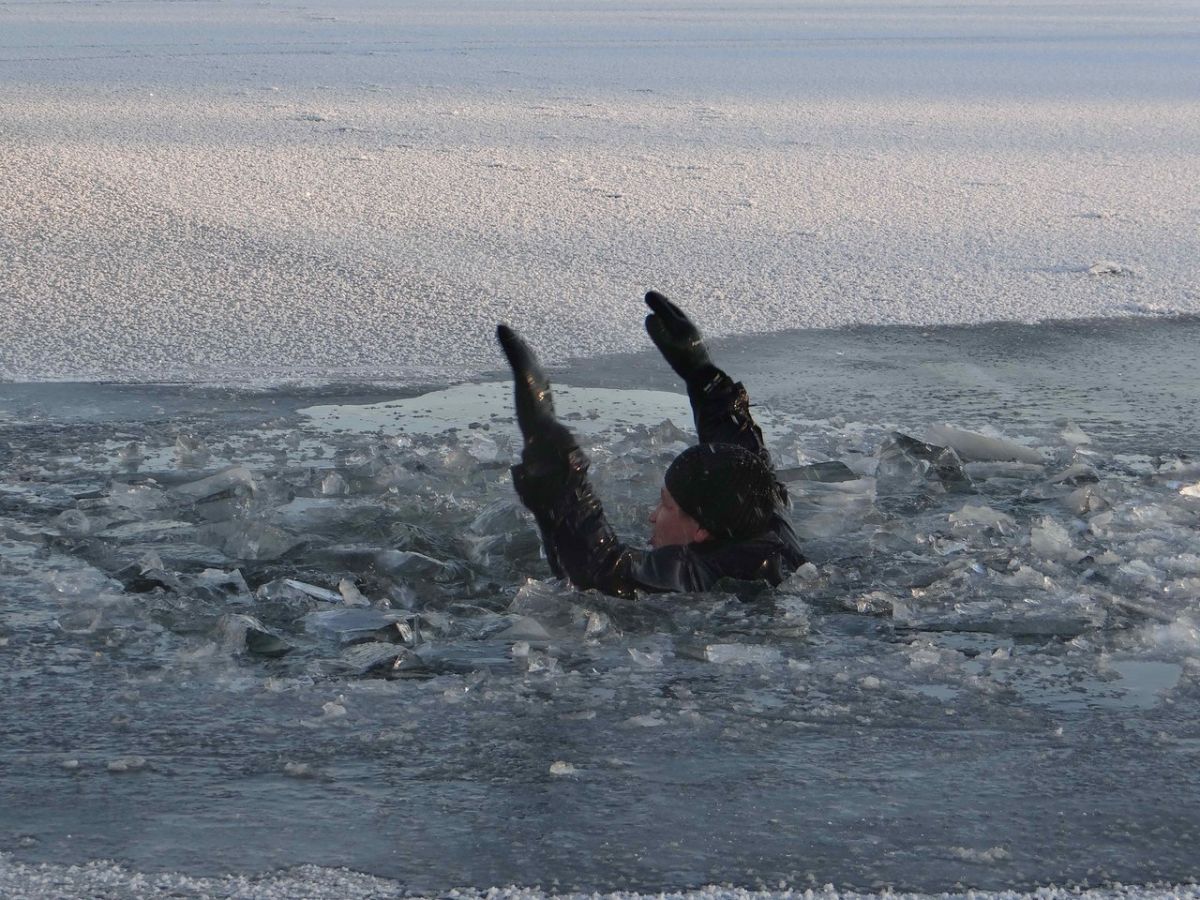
x: 237, y: 636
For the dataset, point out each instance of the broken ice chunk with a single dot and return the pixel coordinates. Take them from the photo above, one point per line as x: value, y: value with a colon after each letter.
x: 800, y: 581
x: 828, y: 472
x: 333, y: 709
x: 647, y: 720
x: 1072, y: 434
x: 987, y: 857
x: 218, y: 583
x: 144, y: 577
x: 138, y: 498
x: 265, y: 643
x: 1180, y: 635
x: 130, y: 456
x: 191, y: 452
x: 251, y: 540
x: 1085, y: 500
x: 742, y: 654
x: 1050, y: 540
x: 378, y: 658
x: 349, y: 626
x: 825, y: 509
x: 541, y: 663
x: 1177, y: 465
x: 1064, y: 616
x: 351, y: 595
x: 291, y: 591
x: 998, y: 473
x: 982, y: 516
x: 240, y: 632
x: 155, y: 529
x: 75, y: 523
x: 667, y: 434
x: 479, y: 446
x: 873, y: 603
x: 411, y: 564
x: 647, y: 660
x: 907, y: 465
x: 523, y: 628
x: 333, y: 485
x: 597, y: 624
x: 80, y: 621
x: 538, y: 597
x: 1076, y: 475
x: 85, y: 582
x: 500, y: 517
x: 972, y: 446
x: 463, y: 659
x: 234, y: 481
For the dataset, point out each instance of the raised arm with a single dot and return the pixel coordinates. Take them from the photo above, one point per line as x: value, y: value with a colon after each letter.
x: 552, y: 482
x: 720, y: 406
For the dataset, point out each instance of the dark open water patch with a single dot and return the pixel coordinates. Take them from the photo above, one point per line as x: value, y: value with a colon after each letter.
x: 242, y: 631
x: 1134, y: 382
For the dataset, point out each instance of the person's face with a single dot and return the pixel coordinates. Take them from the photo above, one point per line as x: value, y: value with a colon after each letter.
x: 672, y: 525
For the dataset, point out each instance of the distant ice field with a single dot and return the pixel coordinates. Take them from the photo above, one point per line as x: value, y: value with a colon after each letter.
x: 203, y: 191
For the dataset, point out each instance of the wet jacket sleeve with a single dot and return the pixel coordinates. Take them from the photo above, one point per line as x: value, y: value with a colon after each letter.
x: 580, y: 543
x: 721, y: 410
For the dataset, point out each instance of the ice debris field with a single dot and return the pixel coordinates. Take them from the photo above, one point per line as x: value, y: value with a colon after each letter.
x: 252, y: 631
x: 301, y: 641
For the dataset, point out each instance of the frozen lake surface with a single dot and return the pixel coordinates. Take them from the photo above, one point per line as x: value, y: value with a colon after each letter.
x: 250, y: 634
x: 268, y: 190
x: 249, y: 631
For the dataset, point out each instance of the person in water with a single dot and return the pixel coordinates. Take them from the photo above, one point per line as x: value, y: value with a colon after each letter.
x: 720, y: 512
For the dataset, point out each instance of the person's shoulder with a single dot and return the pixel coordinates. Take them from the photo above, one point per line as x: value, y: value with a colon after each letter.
x: 769, y: 555
x: 678, y: 567
x: 760, y: 545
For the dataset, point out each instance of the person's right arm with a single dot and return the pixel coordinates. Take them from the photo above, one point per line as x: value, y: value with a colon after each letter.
x: 582, y: 545
x: 552, y: 482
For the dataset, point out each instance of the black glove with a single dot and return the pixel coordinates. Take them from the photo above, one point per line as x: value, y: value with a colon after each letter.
x: 543, y: 432
x: 679, y: 341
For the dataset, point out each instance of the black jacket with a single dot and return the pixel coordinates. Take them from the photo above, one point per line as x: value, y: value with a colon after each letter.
x: 581, y: 545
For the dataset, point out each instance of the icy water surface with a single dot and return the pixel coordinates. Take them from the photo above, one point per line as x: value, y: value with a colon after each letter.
x: 242, y: 631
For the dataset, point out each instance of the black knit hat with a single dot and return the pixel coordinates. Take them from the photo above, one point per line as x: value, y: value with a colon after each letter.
x: 727, y: 489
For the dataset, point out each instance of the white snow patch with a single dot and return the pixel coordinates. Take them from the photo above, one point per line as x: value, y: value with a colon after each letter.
x: 331, y: 216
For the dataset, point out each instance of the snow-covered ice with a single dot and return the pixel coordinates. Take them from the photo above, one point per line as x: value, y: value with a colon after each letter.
x: 363, y: 189
x: 109, y: 879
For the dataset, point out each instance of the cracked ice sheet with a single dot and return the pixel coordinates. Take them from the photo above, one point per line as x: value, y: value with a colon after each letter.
x: 365, y: 190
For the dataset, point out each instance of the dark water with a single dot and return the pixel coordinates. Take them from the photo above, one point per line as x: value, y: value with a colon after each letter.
x: 1135, y: 383
x: 989, y: 680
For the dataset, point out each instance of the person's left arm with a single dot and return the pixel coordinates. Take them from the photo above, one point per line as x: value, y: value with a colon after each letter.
x: 720, y: 405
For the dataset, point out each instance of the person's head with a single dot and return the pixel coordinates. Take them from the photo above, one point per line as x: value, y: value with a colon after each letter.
x: 714, y: 491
